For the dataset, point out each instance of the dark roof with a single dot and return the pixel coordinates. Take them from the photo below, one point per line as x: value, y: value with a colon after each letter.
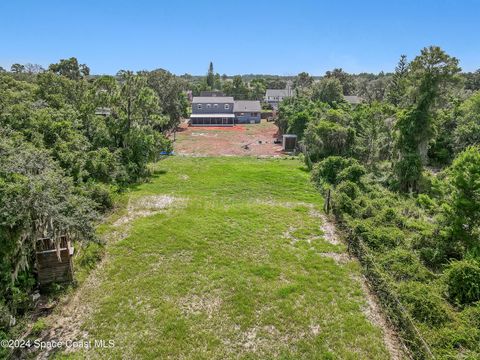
x: 247, y: 105
x: 213, y: 99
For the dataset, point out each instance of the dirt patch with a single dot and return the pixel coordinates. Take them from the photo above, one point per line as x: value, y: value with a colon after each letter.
x: 373, y: 312
x: 263, y: 340
x: 339, y: 258
x: 288, y: 234
x: 329, y: 232
x: 196, y: 304
x: 147, y: 206
x: 241, y: 140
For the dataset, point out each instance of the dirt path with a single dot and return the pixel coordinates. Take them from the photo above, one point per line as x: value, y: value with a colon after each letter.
x: 373, y: 309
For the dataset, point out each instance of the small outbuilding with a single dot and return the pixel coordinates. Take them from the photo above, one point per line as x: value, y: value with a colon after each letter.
x: 289, y: 142
x: 54, y: 261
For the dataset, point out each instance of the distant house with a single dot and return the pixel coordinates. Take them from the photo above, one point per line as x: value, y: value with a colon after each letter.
x: 247, y: 112
x: 212, y: 110
x: 223, y: 111
x: 275, y: 96
x: 353, y: 99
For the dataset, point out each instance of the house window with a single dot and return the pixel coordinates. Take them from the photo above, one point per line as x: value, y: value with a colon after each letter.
x: 215, y: 106
x: 227, y: 106
x: 199, y: 106
x: 209, y: 106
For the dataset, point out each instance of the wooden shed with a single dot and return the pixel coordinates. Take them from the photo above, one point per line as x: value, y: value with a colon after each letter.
x: 54, y: 261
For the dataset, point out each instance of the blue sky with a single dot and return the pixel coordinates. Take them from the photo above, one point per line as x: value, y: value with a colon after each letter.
x: 240, y: 37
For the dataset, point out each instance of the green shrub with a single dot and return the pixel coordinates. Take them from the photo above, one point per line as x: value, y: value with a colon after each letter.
x: 348, y: 188
x: 425, y: 202
x: 368, y: 211
x: 375, y: 236
x: 463, y: 281
x: 89, y: 255
x: 100, y: 194
x: 38, y: 327
x: 342, y: 203
x: 344, y: 196
x: 471, y: 315
x: 454, y: 336
x: 436, y: 248
x: 403, y: 265
x: 384, y: 237
x: 352, y: 173
x: 20, y: 301
x: 102, y: 164
x: 326, y: 138
x: 422, y: 303
x: 328, y: 169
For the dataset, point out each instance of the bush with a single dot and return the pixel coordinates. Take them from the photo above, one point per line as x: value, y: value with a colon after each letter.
x: 463, y: 281
x: 425, y: 202
x: 102, y: 164
x: 352, y: 173
x: 344, y: 198
x: 20, y: 301
x: 471, y: 315
x: 422, y: 302
x: 375, y: 236
x: 90, y: 255
x: 389, y: 215
x: 342, y: 203
x: 437, y: 247
x: 380, y: 237
x: 335, y: 169
x: 404, y: 265
x: 456, y: 336
x: 328, y: 169
x: 100, y: 194
x: 326, y: 138
x: 348, y: 188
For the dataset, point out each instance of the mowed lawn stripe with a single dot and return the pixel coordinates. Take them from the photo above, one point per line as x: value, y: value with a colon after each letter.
x: 235, y: 271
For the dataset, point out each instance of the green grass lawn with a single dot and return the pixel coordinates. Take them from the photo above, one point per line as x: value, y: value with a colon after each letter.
x: 232, y: 268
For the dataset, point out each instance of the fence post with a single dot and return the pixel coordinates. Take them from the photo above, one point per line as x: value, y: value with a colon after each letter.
x: 327, y: 202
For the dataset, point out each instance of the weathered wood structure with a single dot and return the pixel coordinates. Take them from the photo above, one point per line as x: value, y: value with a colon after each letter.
x: 54, y: 261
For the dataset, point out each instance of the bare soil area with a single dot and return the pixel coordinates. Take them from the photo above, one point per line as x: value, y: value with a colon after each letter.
x: 238, y: 140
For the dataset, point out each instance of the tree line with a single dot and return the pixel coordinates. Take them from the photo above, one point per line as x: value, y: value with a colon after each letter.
x: 334, y: 83
x: 403, y: 171
x: 68, y: 143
